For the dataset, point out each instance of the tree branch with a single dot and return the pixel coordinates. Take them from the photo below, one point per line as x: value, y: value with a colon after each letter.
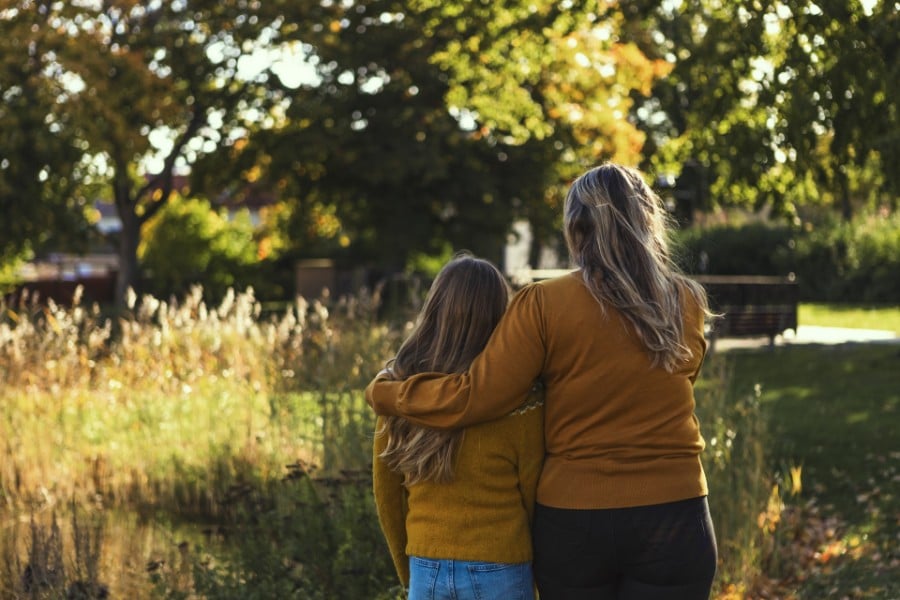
x: 164, y: 179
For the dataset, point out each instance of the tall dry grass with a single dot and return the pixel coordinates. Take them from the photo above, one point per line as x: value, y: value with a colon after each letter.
x: 170, y: 412
x: 172, y: 403
x: 252, y: 427
x: 737, y: 464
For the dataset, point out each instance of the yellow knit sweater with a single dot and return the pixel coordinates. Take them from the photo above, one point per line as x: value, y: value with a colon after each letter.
x: 618, y: 432
x: 484, y: 514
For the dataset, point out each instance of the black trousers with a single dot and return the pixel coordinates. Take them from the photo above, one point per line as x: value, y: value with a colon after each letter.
x: 663, y: 551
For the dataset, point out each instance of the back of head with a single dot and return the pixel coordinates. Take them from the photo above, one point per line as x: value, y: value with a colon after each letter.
x: 616, y: 229
x: 464, y: 305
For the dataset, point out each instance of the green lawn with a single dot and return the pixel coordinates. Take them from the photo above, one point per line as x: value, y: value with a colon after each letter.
x: 853, y: 316
x: 835, y: 411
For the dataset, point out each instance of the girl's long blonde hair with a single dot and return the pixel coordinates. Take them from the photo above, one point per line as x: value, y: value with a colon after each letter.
x: 463, y: 306
x: 616, y: 231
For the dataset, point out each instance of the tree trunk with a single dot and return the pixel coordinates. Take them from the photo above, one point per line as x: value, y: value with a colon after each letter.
x: 844, y: 189
x: 129, y: 275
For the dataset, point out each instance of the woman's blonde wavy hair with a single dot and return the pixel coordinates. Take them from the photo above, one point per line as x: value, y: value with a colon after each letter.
x: 616, y: 229
x: 462, y: 308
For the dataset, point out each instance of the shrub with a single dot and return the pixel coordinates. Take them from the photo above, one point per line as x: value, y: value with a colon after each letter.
x: 851, y: 262
x: 832, y: 261
x: 190, y: 243
x: 755, y: 249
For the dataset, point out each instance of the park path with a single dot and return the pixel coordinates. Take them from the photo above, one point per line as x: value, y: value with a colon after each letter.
x: 811, y: 334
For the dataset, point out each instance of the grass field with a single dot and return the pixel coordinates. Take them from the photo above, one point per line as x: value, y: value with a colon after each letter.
x: 857, y: 317
x: 192, y: 429
x: 835, y: 413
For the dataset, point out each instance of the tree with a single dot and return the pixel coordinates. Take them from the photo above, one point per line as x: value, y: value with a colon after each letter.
x: 41, y: 172
x: 150, y: 87
x: 431, y: 123
x: 835, y: 83
x: 781, y: 102
x: 706, y: 113
x: 422, y: 123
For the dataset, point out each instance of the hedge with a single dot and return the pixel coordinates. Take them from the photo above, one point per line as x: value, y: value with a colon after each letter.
x: 836, y: 262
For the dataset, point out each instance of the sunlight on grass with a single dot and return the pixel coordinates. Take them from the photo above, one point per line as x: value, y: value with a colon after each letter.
x: 255, y: 429
x: 886, y: 318
x: 834, y: 411
x: 858, y: 417
x: 175, y: 410
x: 735, y: 427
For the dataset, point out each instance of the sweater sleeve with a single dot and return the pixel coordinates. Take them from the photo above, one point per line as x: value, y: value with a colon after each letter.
x: 696, y: 337
x: 500, y: 377
x: 390, y: 503
x: 531, y: 458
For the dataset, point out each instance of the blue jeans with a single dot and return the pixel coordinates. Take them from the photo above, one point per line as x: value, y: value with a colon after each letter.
x: 440, y: 579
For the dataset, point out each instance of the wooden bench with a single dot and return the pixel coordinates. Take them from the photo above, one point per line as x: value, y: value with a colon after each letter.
x: 751, y: 305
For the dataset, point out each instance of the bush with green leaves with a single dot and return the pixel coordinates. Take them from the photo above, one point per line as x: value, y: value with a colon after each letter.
x: 851, y: 262
x: 189, y: 242
x: 833, y: 261
x: 755, y: 249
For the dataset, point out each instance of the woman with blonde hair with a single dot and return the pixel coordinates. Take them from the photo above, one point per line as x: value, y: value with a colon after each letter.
x: 456, y: 506
x: 621, y: 503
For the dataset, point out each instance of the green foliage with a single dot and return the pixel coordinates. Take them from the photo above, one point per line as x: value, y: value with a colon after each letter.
x: 301, y: 538
x: 42, y: 198
x: 833, y: 262
x: 851, y: 262
x: 429, y: 265
x: 117, y: 96
x: 190, y: 243
x: 430, y: 123
x: 9, y: 277
x: 784, y: 103
x: 755, y: 249
x: 736, y: 461
x: 706, y: 109
x: 436, y: 123
x: 834, y: 83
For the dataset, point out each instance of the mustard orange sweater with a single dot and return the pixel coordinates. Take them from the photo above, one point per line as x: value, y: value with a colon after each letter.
x: 618, y: 432
x: 484, y: 514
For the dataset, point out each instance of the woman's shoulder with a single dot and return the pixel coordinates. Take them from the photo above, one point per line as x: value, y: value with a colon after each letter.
x: 549, y: 290
x: 565, y: 280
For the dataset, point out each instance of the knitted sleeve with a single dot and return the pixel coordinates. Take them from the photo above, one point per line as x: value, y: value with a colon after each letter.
x: 695, y: 338
x: 390, y: 503
x: 500, y: 377
x: 531, y: 455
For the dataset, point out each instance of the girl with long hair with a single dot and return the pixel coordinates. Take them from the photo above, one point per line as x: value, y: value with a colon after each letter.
x: 456, y: 506
x: 621, y: 503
